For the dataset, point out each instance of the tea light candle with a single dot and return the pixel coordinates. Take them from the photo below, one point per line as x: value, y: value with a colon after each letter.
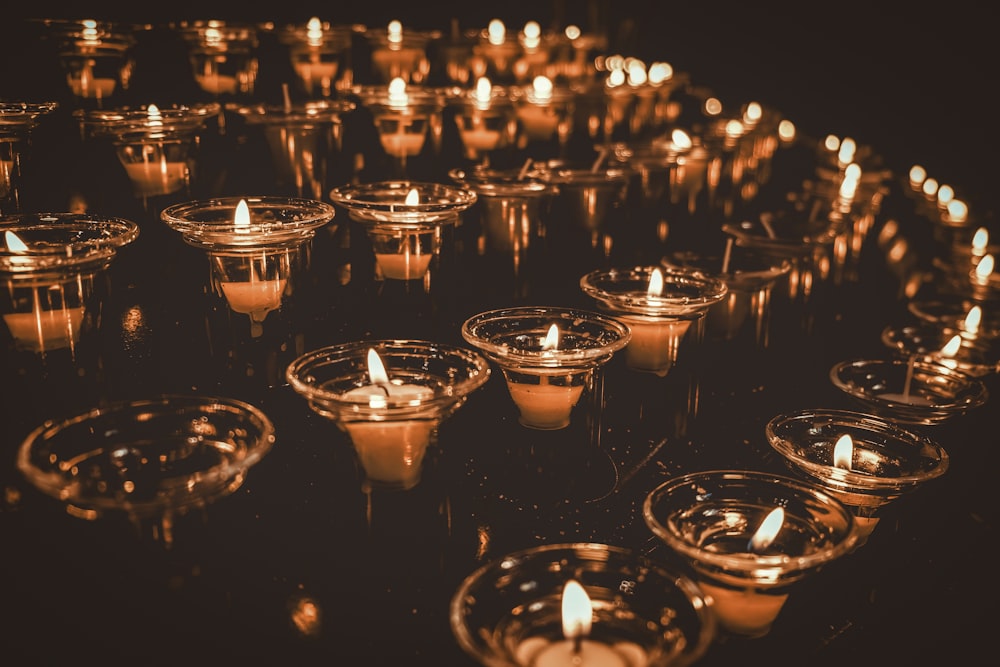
x: 84, y: 84
x: 546, y: 405
x: 576, y: 650
x: 395, y: 58
x: 42, y: 330
x: 254, y: 297
x: 217, y: 84
x: 390, y: 451
x: 158, y: 177
x: 538, y: 113
x: 405, y: 265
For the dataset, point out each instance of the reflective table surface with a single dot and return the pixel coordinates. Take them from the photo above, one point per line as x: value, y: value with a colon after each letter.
x: 302, y: 564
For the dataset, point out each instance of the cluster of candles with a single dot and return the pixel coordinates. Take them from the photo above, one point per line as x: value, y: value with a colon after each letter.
x: 748, y: 536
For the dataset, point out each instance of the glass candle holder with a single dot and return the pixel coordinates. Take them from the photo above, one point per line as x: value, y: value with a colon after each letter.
x: 320, y: 54
x: 257, y: 253
x: 50, y: 264
x: 96, y: 56
x: 750, y: 278
x: 390, y: 407
x: 156, y: 146
x: 17, y: 120
x: 863, y: 460
x: 400, y: 53
x: 223, y: 55
x: 407, y: 120
x: 910, y: 391
x: 659, y: 307
x: 304, y: 140
x: 948, y: 346
x: 549, y: 357
x: 723, y: 523
x: 636, y: 613
x: 499, y: 51
x: 404, y: 221
x: 486, y: 120
x: 955, y: 312
x: 586, y: 196
x: 150, y: 460
x: 545, y: 112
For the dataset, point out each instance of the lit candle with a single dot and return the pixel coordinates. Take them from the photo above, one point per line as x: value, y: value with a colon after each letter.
x: 310, y: 66
x: 546, y: 405
x: 153, y: 174
x: 390, y: 451
x: 395, y: 59
x: 746, y: 611
x: 404, y: 142
x: 42, y: 329
x: 843, y: 458
x: 409, y: 263
x: 538, y: 114
x: 254, y: 297
x: 209, y: 78
x: 84, y: 84
x: 655, y: 340
x: 576, y: 649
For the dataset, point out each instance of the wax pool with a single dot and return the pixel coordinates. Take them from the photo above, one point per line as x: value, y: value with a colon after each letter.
x: 42, y: 330
x: 539, y: 122
x: 745, y: 612
x: 254, y: 298
x: 539, y: 652
x: 403, y: 266
x: 217, y: 84
x: 402, y: 144
x: 480, y: 140
x: 157, y: 178
x: 391, y: 452
x: 544, y: 405
x: 655, y: 342
x: 90, y: 88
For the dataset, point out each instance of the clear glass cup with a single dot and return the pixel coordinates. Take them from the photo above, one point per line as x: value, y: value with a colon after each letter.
x: 404, y: 221
x: 50, y: 265
x: 304, y: 140
x: 392, y: 418
x: 974, y: 355
x: 223, y: 56
x: 157, y: 146
x: 508, y: 613
x: 715, y: 520
x: 486, y: 120
x: 545, y: 112
x: 96, y: 56
x: 878, y: 462
x: 150, y: 461
x: 17, y: 120
x: 320, y: 53
x: 398, y: 52
x: 549, y: 374
x: 909, y: 391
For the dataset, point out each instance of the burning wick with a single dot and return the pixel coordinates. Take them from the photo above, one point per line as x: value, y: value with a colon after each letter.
x: 576, y: 614
x: 768, y: 530
x: 909, y: 378
x: 727, y: 254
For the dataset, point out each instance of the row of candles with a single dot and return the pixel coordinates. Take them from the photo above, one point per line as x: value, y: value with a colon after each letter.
x: 390, y: 396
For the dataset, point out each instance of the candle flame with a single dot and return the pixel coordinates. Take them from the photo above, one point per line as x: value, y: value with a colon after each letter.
x: 734, y: 128
x: 241, y: 221
x: 980, y: 240
x: 542, y: 86
x: 577, y: 612
x: 680, y: 139
x: 973, y: 319
x: 496, y: 32
x: 917, y: 175
x: 958, y: 210
x: 945, y: 194
x: 753, y: 113
x: 14, y: 242
x: 412, y: 197
x: 843, y: 452
x: 768, y: 530
x: 655, y: 283
x: 395, y: 31
x: 484, y: 89
x: 847, y: 149
x: 532, y: 30
x: 153, y: 115
x: 660, y: 72
x: 929, y: 187
x: 397, y: 90
x: 831, y: 142
x: 551, y: 341
x: 572, y: 32
x: 712, y: 106
x: 984, y: 268
x: 952, y: 347
x: 376, y: 369
x: 786, y: 130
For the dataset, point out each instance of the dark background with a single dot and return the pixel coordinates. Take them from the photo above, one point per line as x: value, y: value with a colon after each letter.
x: 915, y: 83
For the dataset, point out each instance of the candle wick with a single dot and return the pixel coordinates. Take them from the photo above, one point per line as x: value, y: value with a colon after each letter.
x: 909, y: 378
x: 577, y: 643
x: 287, y: 97
x: 727, y: 254
x: 524, y: 170
x: 600, y: 158
x: 384, y: 387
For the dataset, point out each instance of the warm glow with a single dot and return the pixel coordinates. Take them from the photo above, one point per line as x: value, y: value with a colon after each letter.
x: 532, y: 30
x: 753, y: 113
x: 153, y: 115
x: 958, y: 211
x: 852, y: 176
x: 542, y: 86
x: 314, y: 31
x: 843, y: 452
x: 973, y: 319
x: 980, y: 240
x: 572, y: 32
x: 395, y: 31
x: 655, y: 283
x: 945, y: 194
x: 636, y: 72
x: 577, y: 613
x: 734, y: 128
x: 397, y: 91
x: 412, y: 197
x: 14, y: 242
x: 496, y: 32
x: 786, y: 130
x: 616, y: 77
x: 952, y: 347
x: 831, y: 143
x: 847, y: 149
x: 680, y: 139
x: 660, y: 72
x: 551, y: 341
x: 768, y: 530
x: 930, y: 187
x: 242, y: 218
x: 984, y: 268
x: 376, y: 369
x: 484, y: 89
x: 917, y: 175
x: 713, y: 106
